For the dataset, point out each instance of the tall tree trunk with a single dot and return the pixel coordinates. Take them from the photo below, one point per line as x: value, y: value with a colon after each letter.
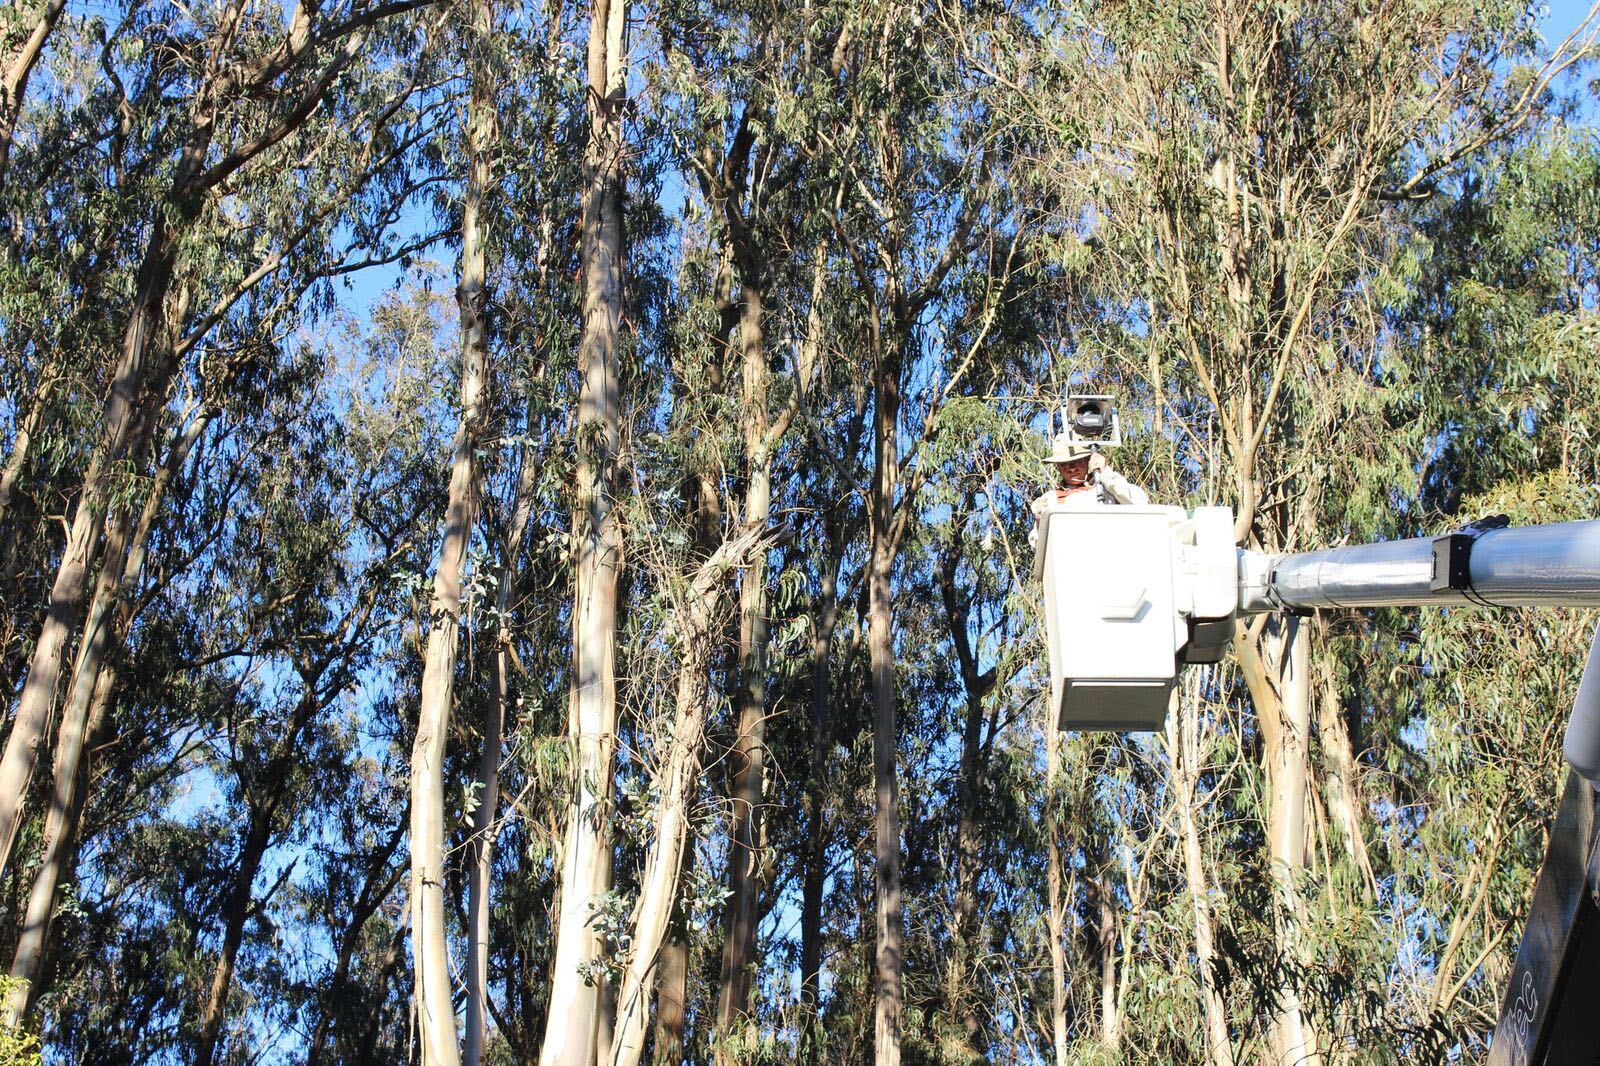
x: 147, y: 360
x: 391, y: 963
x: 60, y: 852
x: 257, y: 837
x: 1297, y: 1039
x: 481, y: 852
x: 236, y: 909
x: 267, y: 793
x: 88, y: 695
x: 749, y: 748
x: 888, y: 963
x: 138, y: 386
x: 1276, y: 668
x: 1342, y: 775
x: 1184, y: 755
x: 703, y: 503
x: 658, y: 881
x: 824, y: 619
x: 436, y: 1013
x: 571, y: 1030
x: 1054, y: 919
x: 672, y: 997
x: 483, y: 818
x: 1105, y: 932
x: 23, y: 442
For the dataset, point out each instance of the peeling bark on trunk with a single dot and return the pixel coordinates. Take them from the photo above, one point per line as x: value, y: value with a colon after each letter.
x: 1105, y: 931
x: 1342, y: 774
x: 572, y: 1027
x: 680, y: 772
x: 672, y: 993
x: 1276, y: 668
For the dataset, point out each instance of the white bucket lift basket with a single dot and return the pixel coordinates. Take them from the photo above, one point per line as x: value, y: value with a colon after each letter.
x: 1130, y: 594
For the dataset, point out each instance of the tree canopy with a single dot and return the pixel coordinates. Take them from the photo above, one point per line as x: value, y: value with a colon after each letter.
x: 514, y: 524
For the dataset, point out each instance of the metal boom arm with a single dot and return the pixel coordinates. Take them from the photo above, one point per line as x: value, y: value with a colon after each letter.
x: 1534, y: 566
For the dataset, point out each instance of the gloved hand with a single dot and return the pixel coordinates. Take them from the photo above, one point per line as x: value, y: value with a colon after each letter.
x: 1097, y: 463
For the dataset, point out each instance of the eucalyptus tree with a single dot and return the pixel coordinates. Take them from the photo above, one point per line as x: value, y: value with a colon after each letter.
x: 268, y: 744
x: 987, y: 621
x: 741, y: 163
x: 89, y: 695
x: 1494, y: 294
x: 573, y: 1027
x: 239, y: 258
x: 228, y: 686
x: 1339, y: 261
x: 436, y: 1012
x: 830, y: 454
x: 524, y: 499
x: 66, y: 265
x: 739, y: 79
x: 676, y: 779
x: 256, y: 86
x: 1492, y: 298
x: 30, y: 27
x: 919, y: 174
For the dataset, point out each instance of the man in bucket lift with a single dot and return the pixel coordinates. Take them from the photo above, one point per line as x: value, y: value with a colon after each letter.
x: 1086, y: 477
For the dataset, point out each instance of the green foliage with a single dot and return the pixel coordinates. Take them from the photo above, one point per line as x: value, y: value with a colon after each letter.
x: 18, y: 1047
x: 1343, y: 276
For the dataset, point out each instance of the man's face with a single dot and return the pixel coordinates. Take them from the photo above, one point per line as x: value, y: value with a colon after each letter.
x: 1075, y: 473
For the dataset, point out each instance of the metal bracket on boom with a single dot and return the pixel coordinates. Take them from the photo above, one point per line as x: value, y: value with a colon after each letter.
x: 1452, y: 557
x: 1450, y: 567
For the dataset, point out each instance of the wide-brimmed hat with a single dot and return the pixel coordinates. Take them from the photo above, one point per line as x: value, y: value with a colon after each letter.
x: 1065, y: 450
